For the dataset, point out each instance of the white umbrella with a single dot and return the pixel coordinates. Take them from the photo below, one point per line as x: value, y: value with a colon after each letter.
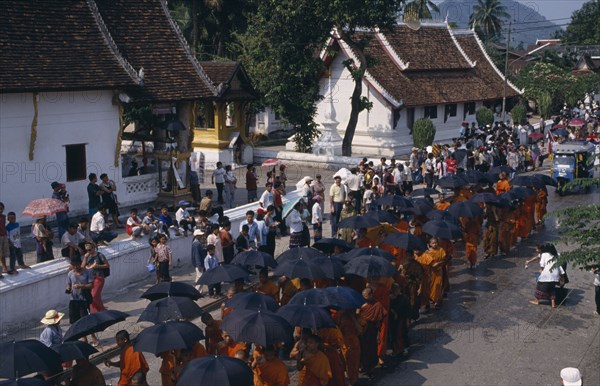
x: 302, y: 181
x: 343, y: 173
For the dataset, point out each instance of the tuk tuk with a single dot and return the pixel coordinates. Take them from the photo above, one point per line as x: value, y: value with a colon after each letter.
x: 572, y: 160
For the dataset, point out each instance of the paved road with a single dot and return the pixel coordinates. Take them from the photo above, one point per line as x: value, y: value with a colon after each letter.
x: 488, y: 334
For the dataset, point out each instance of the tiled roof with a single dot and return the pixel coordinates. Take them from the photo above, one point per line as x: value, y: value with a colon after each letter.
x: 464, y: 75
x: 49, y: 45
x: 229, y: 79
x: 429, y: 48
x: 148, y: 38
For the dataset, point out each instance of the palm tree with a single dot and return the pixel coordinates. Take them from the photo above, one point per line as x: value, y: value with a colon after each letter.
x: 487, y: 18
x: 420, y: 9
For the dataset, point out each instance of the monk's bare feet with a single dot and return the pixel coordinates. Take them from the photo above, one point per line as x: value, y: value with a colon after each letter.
x: 534, y: 302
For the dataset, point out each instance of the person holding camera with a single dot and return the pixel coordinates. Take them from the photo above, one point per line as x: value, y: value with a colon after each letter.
x: 97, y: 263
x: 80, y: 282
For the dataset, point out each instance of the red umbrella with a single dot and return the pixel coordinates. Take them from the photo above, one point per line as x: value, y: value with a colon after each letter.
x: 536, y: 136
x: 44, y: 207
x: 576, y: 122
x: 558, y: 127
x: 271, y: 162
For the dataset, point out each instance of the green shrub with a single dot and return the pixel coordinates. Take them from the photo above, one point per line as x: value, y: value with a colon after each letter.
x: 484, y: 116
x: 519, y: 113
x: 423, y: 133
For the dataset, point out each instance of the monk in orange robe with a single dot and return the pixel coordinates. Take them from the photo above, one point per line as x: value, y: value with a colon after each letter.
x: 334, y: 348
x: 507, y: 224
x: 266, y: 286
x: 418, y: 222
x: 425, y: 280
x: 213, y: 334
x: 472, y: 232
x: 289, y: 288
x: 167, y: 368
x: 381, y: 294
x: 130, y: 362
x: 363, y: 241
x: 351, y: 330
x: 371, y: 315
x: 413, y: 273
x: 230, y: 347
x: 313, y: 365
x: 442, y: 204
x: 224, y: 309
x: 529, y: 206
x: 502, y: 186
x: 199, y: 350
x: 402, y: 225
x: 448, y: 247
x: 490, y: 236
x: 271, y: 370
x: 434, y: 258
x: 540, y: 204
x: 398, y: 253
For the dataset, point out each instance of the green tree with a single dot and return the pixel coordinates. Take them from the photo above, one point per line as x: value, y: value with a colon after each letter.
x: 278, y: 51
x: 484, y: 116
x: 585, y: 25
x: 487, y: 19
x: 423, y: 133
x: 519, y: 113
x: 420, y: 9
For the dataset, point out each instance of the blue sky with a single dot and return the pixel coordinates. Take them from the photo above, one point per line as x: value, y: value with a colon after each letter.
x: 554, y: 9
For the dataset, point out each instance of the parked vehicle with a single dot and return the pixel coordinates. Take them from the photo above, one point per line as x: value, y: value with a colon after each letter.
x: 572, y: 160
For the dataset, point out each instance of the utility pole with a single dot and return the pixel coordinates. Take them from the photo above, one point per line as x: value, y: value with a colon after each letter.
x: 506, y: 73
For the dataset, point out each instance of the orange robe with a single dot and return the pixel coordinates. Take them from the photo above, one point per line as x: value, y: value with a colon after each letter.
x: 471, y: 235
x: 398, y: 253
x: 530, y: 213
x: 382, y: 295
x: 226, y: 311
x: 502, y: 186
x: 232, y: 349
x: 490, y: 237
x: 402, y: 226
x: 350, y: 332
x: 371, y: 316
x: 540, y: 204
x: 334, y: 347
x: 507, y: 224
x: 166, y: 368
x: 273, y: 373
x: 131, y: 363
x: 288, y: 289
x: 316, y: 371
x: 199, y: 350
x: 365, y: 242
x: 442, y: 205
x: 436, y: 282
x: 269, y: 288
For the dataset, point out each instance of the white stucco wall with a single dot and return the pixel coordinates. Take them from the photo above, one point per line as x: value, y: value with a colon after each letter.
x: 64, y: 118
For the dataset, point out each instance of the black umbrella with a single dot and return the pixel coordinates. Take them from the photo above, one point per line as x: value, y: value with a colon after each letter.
x: 332, y: 266
x: 546, y: 179
x: 465, y: 209
x: 477, y: 177
x: 24, y: 357
x: 443, y: 215
x: 254, y: 258
x: 216, y: 370
x: 166, y: 336
x: 370, y: 252
x: 171, y: 308
x: 405, y: 241
x: 502, y: 168
x: 327, y: 245
x: 26, y: 382
x: 370, y: 267
x: 561, y: 132
x: 520, y: 192
x: 257, y: 326
x: 528, y: 181
x: 306, y: 316
x: 223, y: 273
x: 252, y: 301
x: 341, y: 298
x: 73, y: 350
x: 442, y: 229
x: 395, y: 200
x: 171, y: 288
x: 421, y: 207
x: 452, y: 181
x: 459, y: 155
x: 96, y: 322
x: 300, y: 268
x: 382, y: 216
x: 306, y: 253
x: 484, y: 197
x: 424, y: 192
x: 358, y: 222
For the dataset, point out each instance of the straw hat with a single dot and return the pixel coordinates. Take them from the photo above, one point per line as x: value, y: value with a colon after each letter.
x: 52, y: 317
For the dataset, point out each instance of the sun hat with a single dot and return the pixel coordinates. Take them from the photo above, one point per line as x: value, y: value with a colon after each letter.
x: 52, y: 317
x: 570, y: 376
x: 198, y: 232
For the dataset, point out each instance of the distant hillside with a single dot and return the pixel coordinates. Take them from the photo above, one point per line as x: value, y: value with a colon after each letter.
x: 458, y: 11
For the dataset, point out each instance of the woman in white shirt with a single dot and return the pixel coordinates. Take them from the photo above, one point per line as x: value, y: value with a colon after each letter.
x: 215, y: 239
x: 549, y: 276
x: 294, y: 221
x: 317, y: 218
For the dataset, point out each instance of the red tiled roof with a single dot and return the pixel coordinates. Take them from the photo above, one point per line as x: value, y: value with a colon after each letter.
x: 49, y: 45
x: 148, y: 38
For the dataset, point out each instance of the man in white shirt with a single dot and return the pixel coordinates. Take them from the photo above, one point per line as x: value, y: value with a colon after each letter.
x: 266, y: 198
x: 98, y: 230
x: 353, y: 182
x: 70, y: 241
x: 184, y: 219
x: 218, y: 178
x: 254, y: 234
x: 317, y: 218
x: 337, y: 196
